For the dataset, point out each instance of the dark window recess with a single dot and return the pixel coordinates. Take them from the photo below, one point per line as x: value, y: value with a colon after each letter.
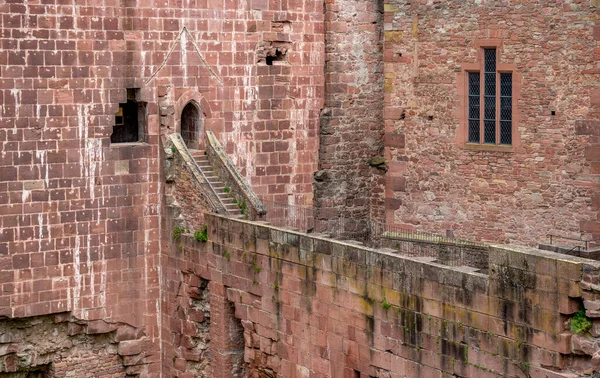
x: 474, y: 112
x: 130, y: 120
x: 489, y: 111
x: 506, y: 108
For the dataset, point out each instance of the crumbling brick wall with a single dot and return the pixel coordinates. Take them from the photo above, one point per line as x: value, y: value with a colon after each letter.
x: 63, y: 346
x: 546, y: 185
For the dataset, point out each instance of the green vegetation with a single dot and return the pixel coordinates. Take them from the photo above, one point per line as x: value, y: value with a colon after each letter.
x: 242, y: 206
x: 227, y: 189
x: 228, y: 256
x: 177, y: 232
x: 580, y: 323
x: 385, y: 304
x: 276, y: 286
x: 202, y: 235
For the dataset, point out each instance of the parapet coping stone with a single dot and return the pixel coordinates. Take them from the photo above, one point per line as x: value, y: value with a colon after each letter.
x: 381, y: 251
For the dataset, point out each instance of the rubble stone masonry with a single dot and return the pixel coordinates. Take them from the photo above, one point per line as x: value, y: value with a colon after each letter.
x: 547, y: 184
x: 351, y: 132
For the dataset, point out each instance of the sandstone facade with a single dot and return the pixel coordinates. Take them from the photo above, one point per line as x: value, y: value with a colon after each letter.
x: 349, y: 105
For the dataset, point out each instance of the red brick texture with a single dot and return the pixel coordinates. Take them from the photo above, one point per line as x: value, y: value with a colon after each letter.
x: 313, y: 307
x: 545, y: 185
x: 79, y: 216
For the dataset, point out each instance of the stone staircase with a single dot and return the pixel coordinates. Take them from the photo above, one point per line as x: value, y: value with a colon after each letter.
x: 214, y: 180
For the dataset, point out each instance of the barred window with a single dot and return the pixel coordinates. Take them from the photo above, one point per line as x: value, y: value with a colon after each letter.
x: 490, y: 103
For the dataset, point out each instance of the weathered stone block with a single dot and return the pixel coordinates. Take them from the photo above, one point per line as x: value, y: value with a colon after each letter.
x: 130, y: 348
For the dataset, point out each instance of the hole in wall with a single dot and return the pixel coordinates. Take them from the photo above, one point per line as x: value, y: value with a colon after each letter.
x: 278, y: 56
x: 430, y: 118
x: 553, y: 112
x: 131, y: 119
x: 44, y: 371
x: 270, y: 53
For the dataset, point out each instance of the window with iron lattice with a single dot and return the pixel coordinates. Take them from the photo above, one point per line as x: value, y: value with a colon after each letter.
x: 490, y: 103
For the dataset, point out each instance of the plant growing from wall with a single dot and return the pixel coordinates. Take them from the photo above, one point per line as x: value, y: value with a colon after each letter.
x: 202, y: 235
x: 242, y: 206
x: 256, y: 269
x: 385, y: 304
x: 580, y: 323
x: 177, y: 232
x: 227, y: 189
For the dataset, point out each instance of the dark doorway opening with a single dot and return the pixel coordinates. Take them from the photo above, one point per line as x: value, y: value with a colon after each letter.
x: 191, y: 126
x: 130, y: 120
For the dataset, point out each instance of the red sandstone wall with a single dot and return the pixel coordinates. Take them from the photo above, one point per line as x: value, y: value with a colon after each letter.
x: 79, y: 217
x: 312, y: 307
x: 266, y: 116
x: 351, y: 130
x: 548, y: 184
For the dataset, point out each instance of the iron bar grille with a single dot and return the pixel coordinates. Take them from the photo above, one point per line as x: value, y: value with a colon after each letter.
x: 474, y: 107
x: 489, y: 112
x: 506, y: 108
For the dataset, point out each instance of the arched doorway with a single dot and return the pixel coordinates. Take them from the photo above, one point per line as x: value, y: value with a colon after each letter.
x: 191, y: 126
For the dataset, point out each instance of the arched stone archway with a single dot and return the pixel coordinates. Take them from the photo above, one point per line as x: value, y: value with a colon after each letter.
x: 191, y: 126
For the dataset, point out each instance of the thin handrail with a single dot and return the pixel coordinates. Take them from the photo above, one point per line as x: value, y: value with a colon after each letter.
x: 586, y: 241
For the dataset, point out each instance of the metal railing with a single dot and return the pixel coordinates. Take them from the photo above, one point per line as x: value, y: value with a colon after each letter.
x: 445, y: 250
x: 585, y: 243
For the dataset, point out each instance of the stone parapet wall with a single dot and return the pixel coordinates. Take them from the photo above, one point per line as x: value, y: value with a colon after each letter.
x: 313, y: 307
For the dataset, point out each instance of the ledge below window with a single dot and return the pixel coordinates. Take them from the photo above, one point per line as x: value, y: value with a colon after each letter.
x: 488, y: 147
x: 129, y: 144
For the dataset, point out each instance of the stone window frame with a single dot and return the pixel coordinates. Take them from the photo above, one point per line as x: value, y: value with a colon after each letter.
x: 462, y: 135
